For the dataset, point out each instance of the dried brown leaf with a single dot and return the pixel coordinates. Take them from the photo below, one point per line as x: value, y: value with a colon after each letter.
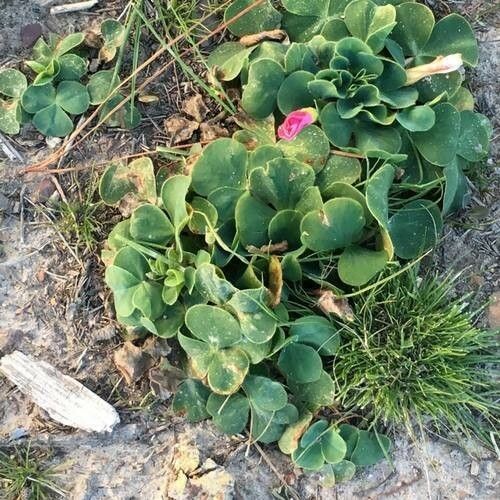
x: 329, y: 303
x: 210, y: 132
x: 179, y: 128
x: 132, y: 362
x: 195, y: 107
x: 280, y: 247
x: 275, y: 280
x: 274, y: 35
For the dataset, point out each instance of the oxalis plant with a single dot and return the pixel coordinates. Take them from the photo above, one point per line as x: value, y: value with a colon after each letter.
x: 355, y: 136
x: 60, y: 89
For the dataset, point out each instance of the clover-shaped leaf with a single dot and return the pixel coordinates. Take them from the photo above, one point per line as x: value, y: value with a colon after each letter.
x: 316, y: 332
x: 228, y: 59
x: 300, y: 363
x: 191, y: 399
x: 12, y: 83
x: 101, y: 84
x: 319, y: 393
x: 358, y: 265
x: 150, y: 224
x: 259, y: 18
x: 113, y: 34
x: 212, y: 286
x: 229, y: 414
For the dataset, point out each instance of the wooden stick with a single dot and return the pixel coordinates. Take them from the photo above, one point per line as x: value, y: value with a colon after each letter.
x: 72, y: 7
x: 62, y: 397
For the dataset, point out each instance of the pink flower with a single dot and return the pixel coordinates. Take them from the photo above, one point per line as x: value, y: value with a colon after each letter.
x: 295, y: 122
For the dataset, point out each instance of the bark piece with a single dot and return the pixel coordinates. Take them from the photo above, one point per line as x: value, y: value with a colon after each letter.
x: 62, y: 397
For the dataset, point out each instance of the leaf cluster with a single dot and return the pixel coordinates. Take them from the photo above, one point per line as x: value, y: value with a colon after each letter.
x: 57, y: 94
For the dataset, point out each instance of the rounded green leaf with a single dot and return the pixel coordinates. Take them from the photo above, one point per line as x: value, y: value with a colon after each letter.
x: 101, y: 84
x: 252, y: 221
x: 71, y: 67
x: 126, y: 116
x: 453, y: 35
x: 306, y: 7
x: 338, y: 225
x: 318, y: 393
x: 173, y: 196
x: 289, y: 441
x: 311, y: 147
x: 222, y: 164
x: 257, y: 321
x: 343, y: 471
x: 147, y: 298
x: 415, y: 228
x: 227, y: 370
x: 316, y: 332
x: 230, y: 415
x: 475, y: 133
x: 213, y: 325
x: 53, y: 121
x: 228, y: 60
x: 370, y: 449
x: 113, y: 32
x: 462, y: 99
x: 439, y: 144
x: 203, y: 216
x: 260, y: 18
x: 300, y: 363
x: 265, y: 77
x: 414, y: 27
x: 224, y: 200
x: 358, y: 265
x: 338, y: 130
x: 309, y: 458
x: 9, y: 122
x: 333, y: 447
x: 377, y: 192
x: 72, y: 97
x: 338, y: 169
x: 150, y: 224
x: 417, y: 118
x: 301, y: 28
x: 12, y: 83
x: 294, y: 93
x: 38, y: 97
x: 285, y: 226
x: 211, y: 286
x: 265, y: 393
x: 191, y: 399
x: 435, y: 87
x: 68, y: 42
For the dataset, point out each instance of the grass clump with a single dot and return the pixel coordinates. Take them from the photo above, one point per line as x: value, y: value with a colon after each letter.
x: 414, y: 352
x: 23, y: 476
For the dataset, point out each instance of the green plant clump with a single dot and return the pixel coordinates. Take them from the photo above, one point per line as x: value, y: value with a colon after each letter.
x: 57, y: 95
x: 244, y: 260
x: 413, y: 352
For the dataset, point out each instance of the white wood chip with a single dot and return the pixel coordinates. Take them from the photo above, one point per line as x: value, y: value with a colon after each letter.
x: 62, y: 397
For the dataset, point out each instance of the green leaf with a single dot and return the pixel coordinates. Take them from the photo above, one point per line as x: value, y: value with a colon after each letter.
x: 173, y: 195
x: 415, y: 23
x: 475, y: 134
x: 358, y: 265
x: 230, y: 414
x: 199, y: 355
x: 262, y: 17
x: 439, y: 144
x: 263, y: 154
x: 350, y: 435
x: 452, y: 35
x: 12, y: 83
x: 9, y: 122
x: 38, y: 97
x: 53, y: 121
x: 203, y: 216
x: 301, y: 28
x: 338, y: 225
x: 333, y: 447
x: 191, y: 399
x: 147, y: 298
x: 294, y: 93
x: 222, y: 164
x: 150, y: 224
x: 227, y: 370
x: 438, y: 87
x: 227, y: 60
x: 213, y: 325
x: 343, y: 471
x: 257, y: 321
x: 126, y: 116
x: 417, y: 118
x: 306, y: 7
x: 252, y: 221
x: 101, y: 85
x: 415, y: 228
x: 68, y: 43
x: 338, y: 169
x: 72, y: 97
x: 318, y: 393
x: 310, y: 147
x: 369, y: 22
x: 71, y: 67
x: 211, y: 286
x: 265, y: 393
x: 370, y: 450
x: 317, y: 332
x: 265, y: 77
x: 456, y: 191
x: 377, y: 191
x: 462, y: 99
x: 119, y: 180
x: 281, y: 182
x: 300, y: 363
x: 285, y: 226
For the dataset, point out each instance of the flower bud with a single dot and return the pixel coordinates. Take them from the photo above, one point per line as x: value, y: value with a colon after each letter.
x: 295, y: 122
x: 442, y: 64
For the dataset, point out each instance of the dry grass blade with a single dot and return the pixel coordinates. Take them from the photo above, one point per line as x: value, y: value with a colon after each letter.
x: 42, y: 166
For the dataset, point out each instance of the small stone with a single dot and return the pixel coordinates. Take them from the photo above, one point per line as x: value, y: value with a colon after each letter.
x: 30, y: 33
x: 494, y: 310
x: 474, y: 468
x: 4, y: 203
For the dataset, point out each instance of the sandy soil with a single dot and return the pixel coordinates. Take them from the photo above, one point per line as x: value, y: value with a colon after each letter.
x: 54, y: 307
